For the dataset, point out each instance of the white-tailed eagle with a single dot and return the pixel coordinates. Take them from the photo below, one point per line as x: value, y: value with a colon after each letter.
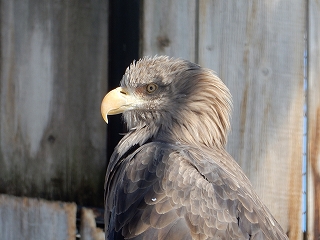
x: 170, y: 176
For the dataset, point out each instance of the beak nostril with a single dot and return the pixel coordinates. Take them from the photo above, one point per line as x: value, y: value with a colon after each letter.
x: 123, y: 92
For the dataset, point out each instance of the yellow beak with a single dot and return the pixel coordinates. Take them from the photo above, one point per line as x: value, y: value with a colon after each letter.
x: 116, y: 101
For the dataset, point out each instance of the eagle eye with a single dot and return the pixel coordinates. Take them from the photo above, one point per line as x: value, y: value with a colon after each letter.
x: 151, y: 87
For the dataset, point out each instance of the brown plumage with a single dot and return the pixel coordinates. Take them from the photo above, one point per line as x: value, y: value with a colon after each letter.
x: 170, y: 176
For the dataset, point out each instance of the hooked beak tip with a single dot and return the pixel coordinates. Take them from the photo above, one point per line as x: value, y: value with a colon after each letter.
x: 113, y: 103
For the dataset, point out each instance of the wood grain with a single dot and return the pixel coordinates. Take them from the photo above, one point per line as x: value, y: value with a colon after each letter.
x: 313, y: 207
x: 27, y: 218
x: 169, y: 28
x: 257, y: 49
x: 53, y: 77
x: 88, y: 228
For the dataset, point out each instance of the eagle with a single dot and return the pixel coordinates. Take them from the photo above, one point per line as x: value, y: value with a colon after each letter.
x: 170, y: 176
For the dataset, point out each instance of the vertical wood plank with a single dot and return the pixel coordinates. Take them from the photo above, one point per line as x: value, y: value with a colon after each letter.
x: 26, y: 218
x: 88, y: 229
x: 169, y: 28
x: 313, y: 207
x: 257, y: 49
x: 53, y: 77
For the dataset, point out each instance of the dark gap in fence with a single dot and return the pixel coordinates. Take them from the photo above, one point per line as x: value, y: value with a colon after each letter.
x: 123, y: 49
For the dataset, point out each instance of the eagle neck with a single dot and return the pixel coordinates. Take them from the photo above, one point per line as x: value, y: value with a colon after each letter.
x: 135, y: 138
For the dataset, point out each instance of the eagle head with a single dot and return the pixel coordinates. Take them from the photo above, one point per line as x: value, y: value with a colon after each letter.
x: 174, y: 99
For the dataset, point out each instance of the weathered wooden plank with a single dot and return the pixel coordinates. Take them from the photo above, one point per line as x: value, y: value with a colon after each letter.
x: 169, y: 28
x: 313, y: 208
x: 26, y: 218
x: 257, y: 49
x: 53, y: 77
x: 89, y: 230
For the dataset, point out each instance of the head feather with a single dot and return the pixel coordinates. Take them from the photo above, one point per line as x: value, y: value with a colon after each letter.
x: 193, y: 106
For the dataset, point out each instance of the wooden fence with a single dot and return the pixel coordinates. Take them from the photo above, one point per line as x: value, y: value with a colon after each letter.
x: 53, y: 76
x: 26, y: 218
x: 257, y: 49
x: 54, y: 68
x: 32, y: 219
x: 313, y: 99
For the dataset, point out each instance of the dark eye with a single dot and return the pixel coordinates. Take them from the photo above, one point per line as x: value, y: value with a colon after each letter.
x: 151, y: 87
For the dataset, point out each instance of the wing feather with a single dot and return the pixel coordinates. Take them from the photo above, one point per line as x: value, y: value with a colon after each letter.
x: 165, y: 191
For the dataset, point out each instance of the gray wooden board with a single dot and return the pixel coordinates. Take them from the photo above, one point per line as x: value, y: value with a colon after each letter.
x: 168, y: 28
x: 88, y: 229
x: 313, y: 135
x: 257, y: 49
x: 27, y: 218
x: 53, y: 77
